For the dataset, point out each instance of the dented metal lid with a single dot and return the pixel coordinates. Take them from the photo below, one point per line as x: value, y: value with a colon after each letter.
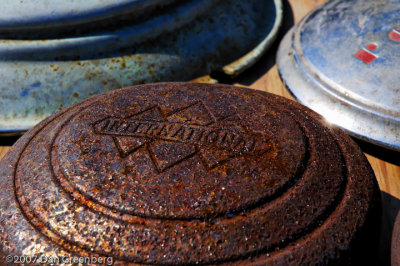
x: 49, y: 61
x: 342, y: 60
x: 184, y: 173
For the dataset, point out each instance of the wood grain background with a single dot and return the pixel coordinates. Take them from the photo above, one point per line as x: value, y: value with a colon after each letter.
x: 264, y: 76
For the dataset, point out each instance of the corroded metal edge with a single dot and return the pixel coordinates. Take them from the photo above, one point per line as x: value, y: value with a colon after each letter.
x: 395, y: 249
x: 246, y: 61
x: 238, y: 66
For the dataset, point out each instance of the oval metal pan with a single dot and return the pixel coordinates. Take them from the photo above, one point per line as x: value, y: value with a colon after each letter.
x: 40, y: 76
x: 341, y: 60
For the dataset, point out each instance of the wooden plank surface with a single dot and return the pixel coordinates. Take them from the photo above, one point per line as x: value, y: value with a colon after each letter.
x: 264, y: 76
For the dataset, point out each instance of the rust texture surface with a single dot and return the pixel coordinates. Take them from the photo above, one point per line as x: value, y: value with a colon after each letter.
x: 396, y: 243
x: 185, y: 173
